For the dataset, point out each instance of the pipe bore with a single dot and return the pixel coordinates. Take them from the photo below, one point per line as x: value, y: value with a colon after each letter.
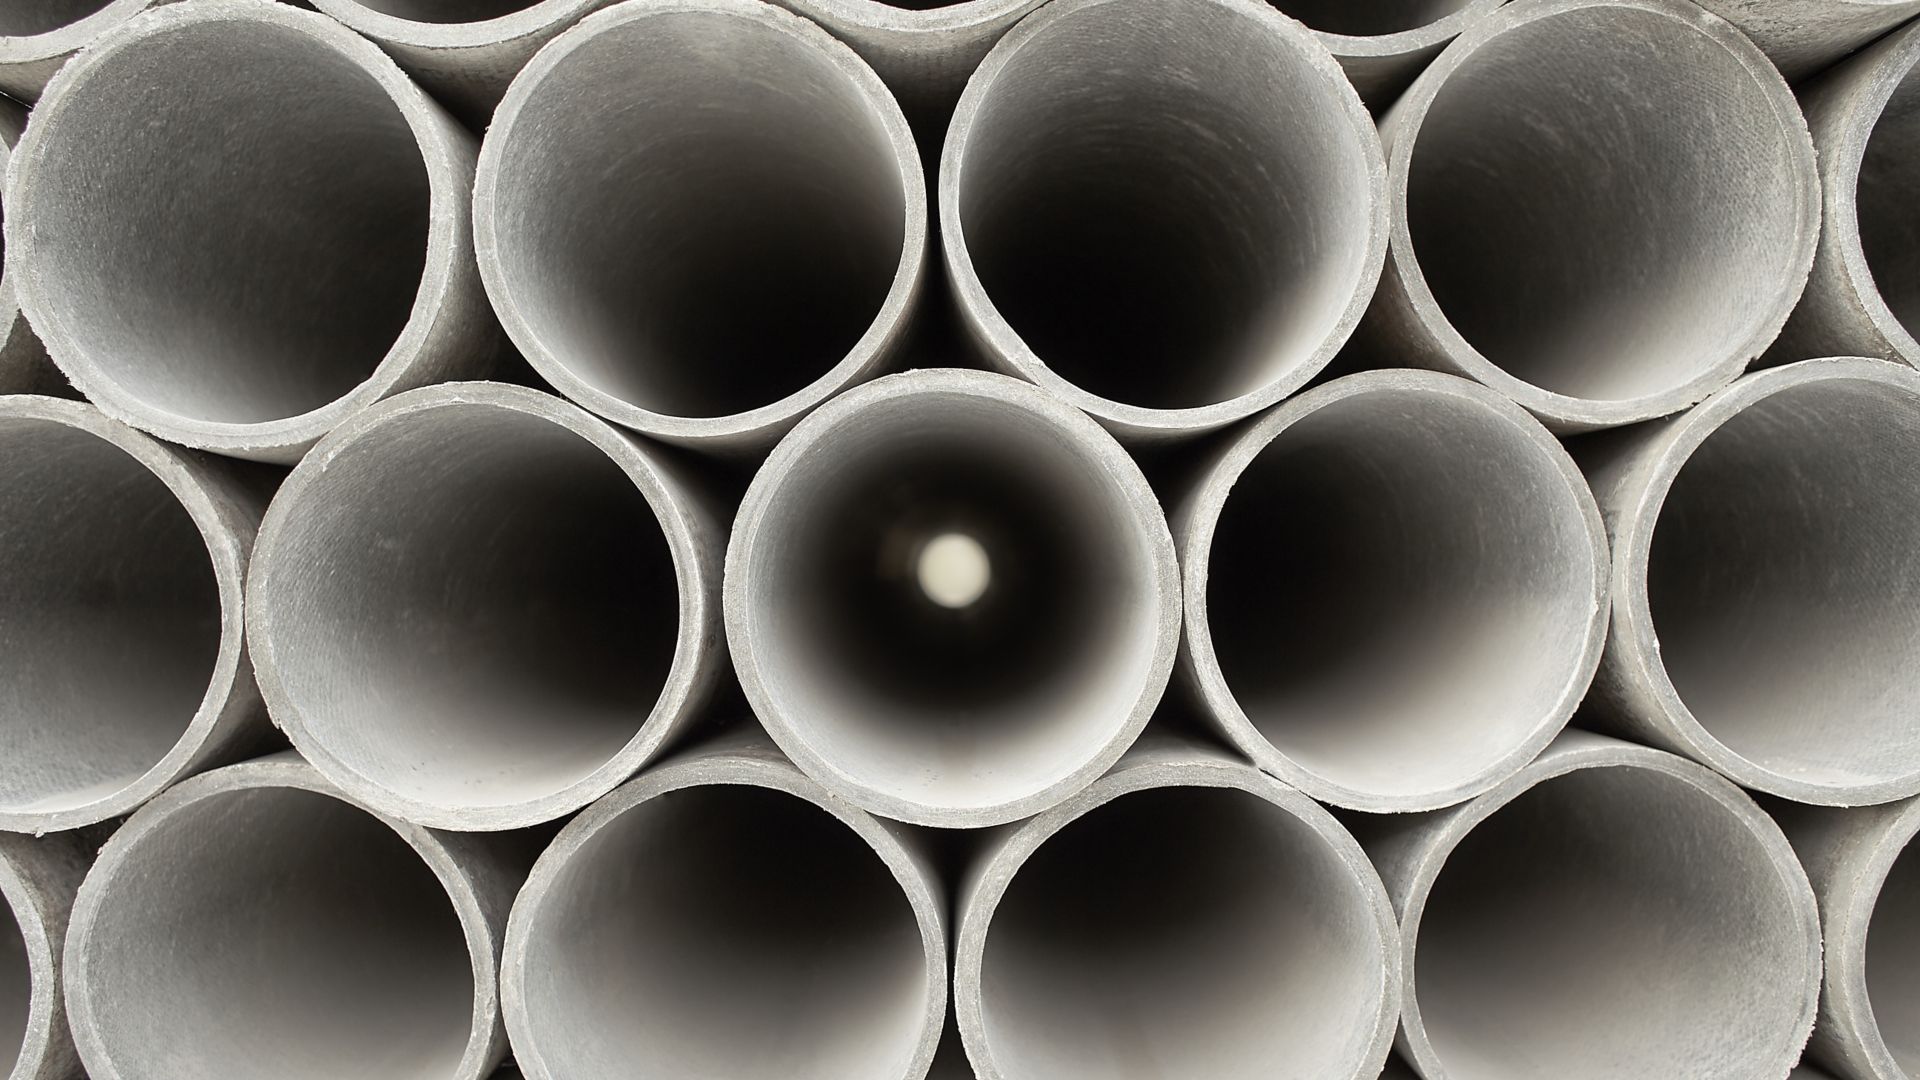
x: 1765, y: 590
x: 920, y: 710
x: 1803, y: 36
x: 38, y: 876
x: 725, y: 916
x: 1384, y: 44
x: 1623, y: 271
x: 37, y: 36
x: 1612, y: 911
x: 1167, y: 212
x: 1395, y: 589
x: 241, y: 262
x: 252, y: 922
x: 731, y: 235
x: 477, y: 607
x: 121, y: 563
x: 1183, y: 916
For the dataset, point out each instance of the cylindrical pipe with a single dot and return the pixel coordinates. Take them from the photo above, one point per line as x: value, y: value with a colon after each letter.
x: 723, y: 915
x: 1395, y: 590
x: 1765, y: 585
x: 1620, y: 270
x: 1186, y: 915
x: 24, y: 365
x: 478, y: 607
x: 122, y: 561
x: 37, y: 36
x: 253, y: 921
x: 1803, y: 36
x: 952, y: 598
x: 279, y: 240
x: 1169, y: 213
x: 1611, y: 912
x: 1383, y: 44
x: 731, y: 234
x: 38, y: 877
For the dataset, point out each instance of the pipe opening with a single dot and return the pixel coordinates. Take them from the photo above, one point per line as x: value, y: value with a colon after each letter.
x: 243, y: 248
x: 303, y: 939
x: 26, y: 18
x: 111, y: 614
x: 1893, y: 960
x: 1889, y: 226
x: 1182, y: 932
x: 16, y: 991
x: 1615, y: 923
x: 447, y: 11
x: 953, y: 570
x: 1651, y: 244
x: 1168, y: 203
x: 1784, y: 586
x: 725, y: 931
x: 1372, y: 19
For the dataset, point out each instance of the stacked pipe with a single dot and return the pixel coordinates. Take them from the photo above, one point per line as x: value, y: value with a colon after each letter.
x: 1023, y: 539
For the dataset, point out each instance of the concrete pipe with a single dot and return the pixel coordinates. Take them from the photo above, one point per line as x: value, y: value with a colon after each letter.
x: 24, y: 365
x: 37, y: 882
x: 1370, y: 672
x: 1167, y: 212
x: 1186, y: 915
x: 1612, y: 912
x: 255, y: 922
x: 1383, y: 44
x: 951, y: 598
x: 725, y: 916
x: 121, y: 569
x: 277, y: 241
x: 1803, y: 36
x: 1621, y: 269
x: 461, y: 606
x: 37, y: 36
x: 1765, y: 584
x: 732, y: 233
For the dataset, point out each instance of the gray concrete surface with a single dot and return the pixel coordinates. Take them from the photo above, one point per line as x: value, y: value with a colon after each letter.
x: 38, y: 877
x: 924, y: 51
x: 24, y: 365
x: 37, y: 36
x: 1803, y: 36
x: 1383, y: 44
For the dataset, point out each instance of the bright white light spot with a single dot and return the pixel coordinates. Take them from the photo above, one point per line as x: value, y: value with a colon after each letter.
x: 953, y: 570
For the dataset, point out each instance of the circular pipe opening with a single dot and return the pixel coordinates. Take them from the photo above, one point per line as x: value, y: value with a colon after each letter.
x: 1888, y: 225
x: 1893, y: 960
x: 16, y: 990
x: 1375, y: 18
x: 25, y: 18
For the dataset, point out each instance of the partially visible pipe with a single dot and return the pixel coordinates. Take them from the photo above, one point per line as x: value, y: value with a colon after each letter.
x: 1383, y: 44
x: 1766, y: 587
x: 38, y: 877
x: 1803, y: 36
x: 279, y: 240
x: 1612, y: 912
x: 24, y: 365
x: 36, y: 38
x: 723, y: 915
x: 1168, y: 213
x: 1186, y: 915
x: 253, y: 921
x: 1622, y: 271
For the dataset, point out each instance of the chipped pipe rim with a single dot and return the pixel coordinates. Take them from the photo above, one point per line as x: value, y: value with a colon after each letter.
x: 695, y: 650
x: 69, y: 37
x: 1562, y: 412
x: 1401, y: 42
x: 1010, y: 353
x: 1196, y: 541
x: 1862, y: 871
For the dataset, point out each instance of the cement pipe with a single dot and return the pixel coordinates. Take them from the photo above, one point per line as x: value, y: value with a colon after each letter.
x: 38, y: 877
x: 478, y: 607
x: 276, y: 242
x: 1383, y: 44
x: 952, y: 598
x: 1803, y: 36
x: 24, y: 365
x: 37, y: 36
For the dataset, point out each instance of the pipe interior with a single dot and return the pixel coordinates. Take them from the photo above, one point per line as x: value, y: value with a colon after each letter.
x: 731, y: 931
x: 1436, y: 597
x: 1168, y: 203
x: 24, y: 18
x: 16, y: 990
x: 1602, y: 203
x: 473, y: 607
x: 110, y: 611
x: 955, y: 707
x: 278, y: 932
x: 1785, y: 588
x: 1614, y: 923
x: 1182, y: 932
x: 1893, y: 960
x: 1370, y: 17
x: 447, y: 11
x: 245, y: 247
x: 1888, y: 222
x: 718, y: 237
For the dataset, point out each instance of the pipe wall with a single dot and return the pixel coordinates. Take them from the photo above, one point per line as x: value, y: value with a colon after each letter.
x: 1803, y: 36
x: 38, y: 877
x: 1383, y: 44
x: 37, y: 37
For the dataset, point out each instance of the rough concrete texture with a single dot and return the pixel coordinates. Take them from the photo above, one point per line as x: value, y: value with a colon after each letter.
x: 1186, y: 915
x: 1370, y: 672
x: 924, y: 51
x: 1803, y: 36
x: 121, y: 563
x: 24, y: 365
x: 479, y: 607
x: 1383, y: 44
x: 1865, y: 867
x: 37, y: 36
x: 1765, y: 587
x: 967, y: 716
x: 723, y: 915
x: 731, y: 232
x: 353, y: 279
x: 254, y: 921
x: 38, y: 877
x: 1611, y: 912
x: 1168, y: 213
x: 1604, y: 209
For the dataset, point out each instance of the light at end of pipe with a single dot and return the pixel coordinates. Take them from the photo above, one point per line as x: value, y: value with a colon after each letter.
x: 953, y: 570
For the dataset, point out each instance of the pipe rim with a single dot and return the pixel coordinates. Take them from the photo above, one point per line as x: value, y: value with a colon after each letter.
x: 880, y: 15
x: 1438, y: 32
x: 531, y: 22
x: 1851, y: 1004
x: 43, y: 967
x: 68, y: 37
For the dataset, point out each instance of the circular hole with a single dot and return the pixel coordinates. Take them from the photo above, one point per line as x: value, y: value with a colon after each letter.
x: 1614, y: 923
x: 25, y: 18
x: 954, y: 570
x: 16, y: 991
x: 110, y: 611
x: 242, y: 248
x: 1783, y: 582
x: 1182, y: 932
x: 447, y: 11
x: 725, y: 931
x: 302, y: 939
x: 1893, y: 960
x: 1889, y: 225
x: 1602, y: 203
x: 1371, y: 18
x: 1169, y: 204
